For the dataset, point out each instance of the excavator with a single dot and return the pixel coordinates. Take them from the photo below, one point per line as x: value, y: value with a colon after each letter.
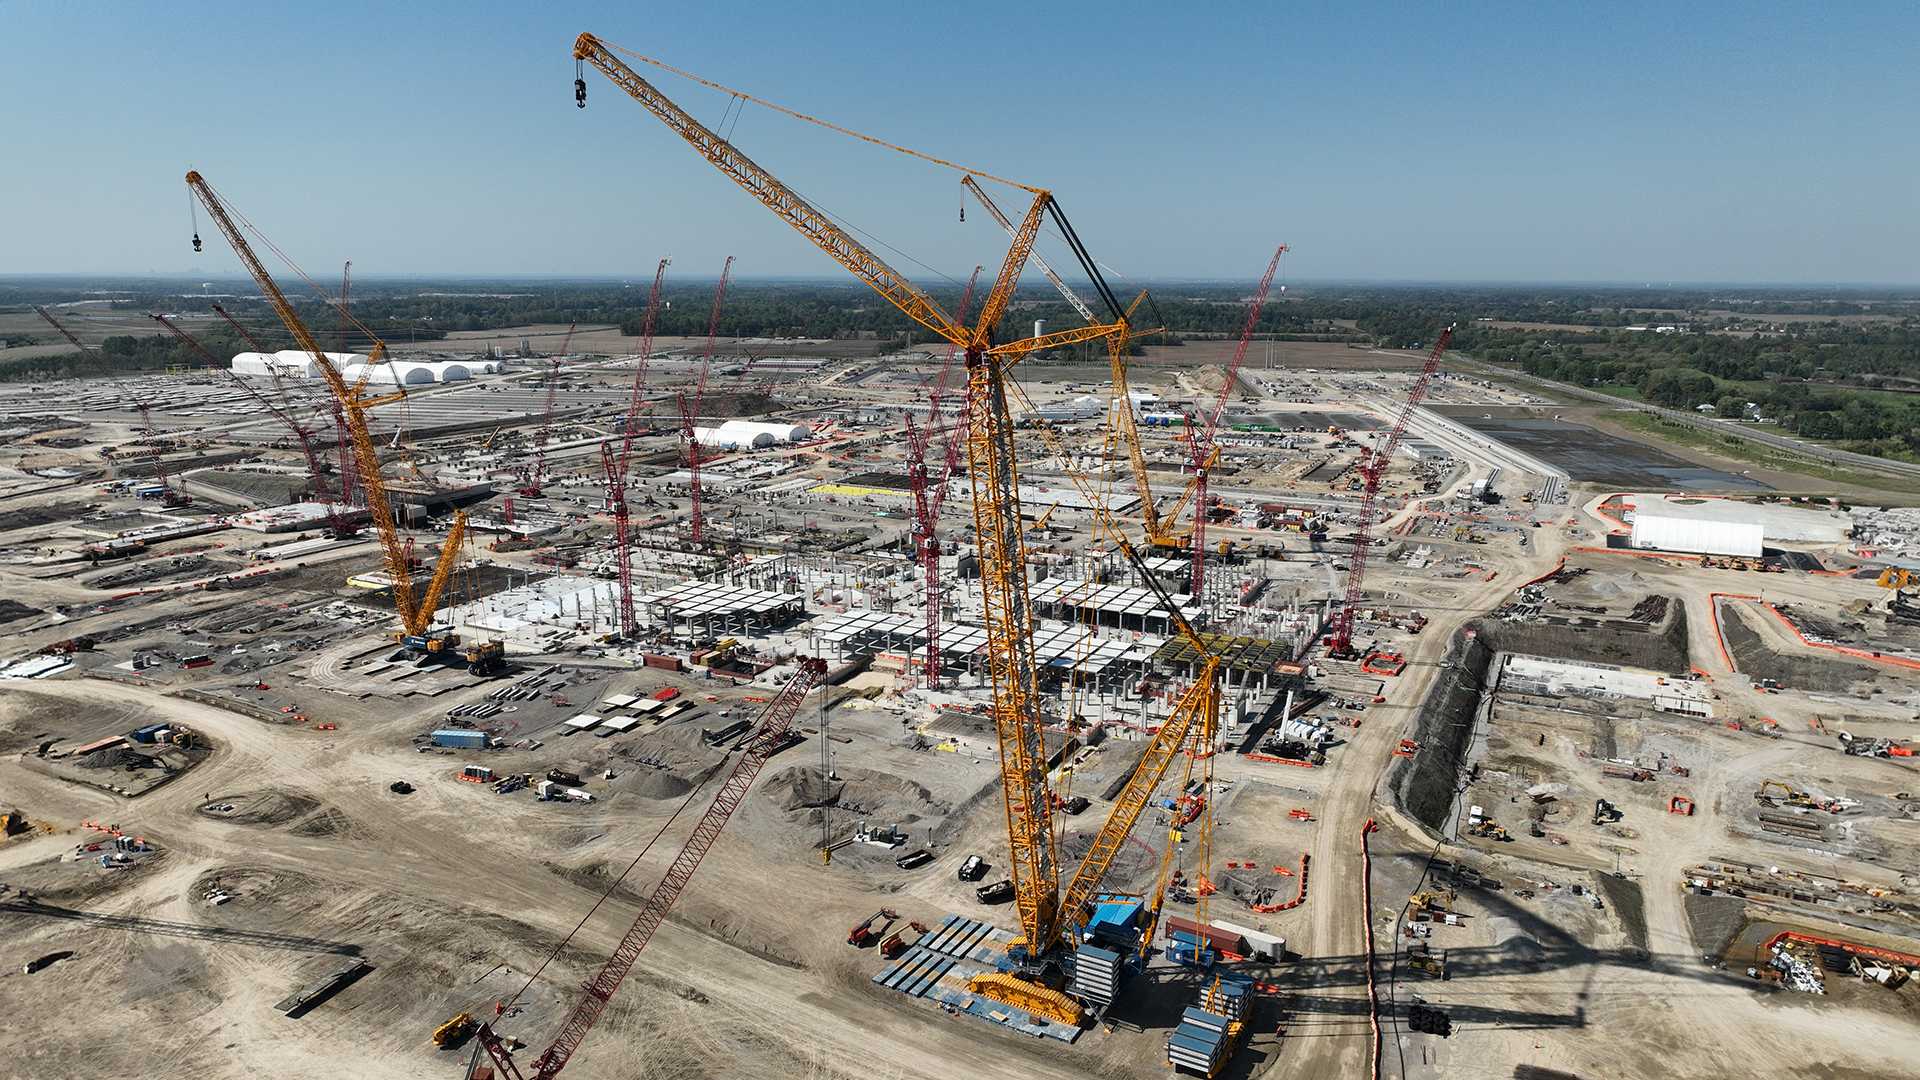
x: 1431, y: 902
x: 1790, y: 795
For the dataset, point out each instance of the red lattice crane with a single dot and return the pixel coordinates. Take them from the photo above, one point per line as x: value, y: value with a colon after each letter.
x: 928, y: 497
x: 768, y: 740
x: 1373, y: 465
x: 616, y: 465
x: 1201, y: 447
x: 342, y: 440
x: 538, y: 474
x: 689, y: 419
x: 302, y: 433
x: 170, y: 495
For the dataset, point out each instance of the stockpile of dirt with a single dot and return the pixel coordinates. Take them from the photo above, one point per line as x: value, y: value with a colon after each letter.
x: 116, y: 758
x: 11, y: 610
x: 802, y: 791
x: 1425, y: 782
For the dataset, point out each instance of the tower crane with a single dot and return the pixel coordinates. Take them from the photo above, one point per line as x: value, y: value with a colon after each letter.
x: 1373, y: 466
x: 690, y: 419
x: 1052, y: 912
x: 171, y: 495
x: 616, y: 465
x: 416, y: 612
x: 301, y: 432
x: 769, y: 737
x: 1201, y: 445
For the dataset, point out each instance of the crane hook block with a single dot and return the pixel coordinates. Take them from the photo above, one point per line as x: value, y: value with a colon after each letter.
x: 196, y: 241
x: 580, y: 92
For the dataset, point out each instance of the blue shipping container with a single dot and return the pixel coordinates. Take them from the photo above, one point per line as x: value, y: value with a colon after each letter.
x: 466, y: 740
x: 146, y: 734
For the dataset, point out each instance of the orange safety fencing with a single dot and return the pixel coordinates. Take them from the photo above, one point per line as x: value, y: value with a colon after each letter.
x: 1299, y: 898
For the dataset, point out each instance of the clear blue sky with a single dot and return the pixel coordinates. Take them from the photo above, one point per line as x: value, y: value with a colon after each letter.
x: 1737, y: 142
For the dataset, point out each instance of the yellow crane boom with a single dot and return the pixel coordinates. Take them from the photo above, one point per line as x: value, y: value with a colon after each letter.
x: 352, y: 399
x: 998, y: 535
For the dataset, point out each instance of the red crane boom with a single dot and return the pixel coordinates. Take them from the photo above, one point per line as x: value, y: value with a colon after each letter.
x: 763, y: 744
x: 539, y: 474
x: 928, y: 498
x: 348, y: 467
x: 616, y: 466
x: 697, y: 519
x: 300, y: 431
x: 171, y: 496
x: 1373, y: 466
x: 1200, y: 444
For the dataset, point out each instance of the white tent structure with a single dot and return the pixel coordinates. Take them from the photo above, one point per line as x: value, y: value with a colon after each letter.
x: 409, y: 373
x: 290, y: 362
x: 1739, y: 539
x: 746, y: 433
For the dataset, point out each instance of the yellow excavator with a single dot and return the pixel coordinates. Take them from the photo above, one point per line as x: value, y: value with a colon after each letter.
x: 1792, y: 796
x: 1432, y: 901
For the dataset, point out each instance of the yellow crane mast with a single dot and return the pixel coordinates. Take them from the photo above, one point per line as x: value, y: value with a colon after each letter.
x: 416, y: 613
x: 1122, y: 426
x: 1045, y: 916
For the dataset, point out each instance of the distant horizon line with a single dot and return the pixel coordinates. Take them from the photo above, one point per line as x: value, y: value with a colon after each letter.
x: 776, y: 279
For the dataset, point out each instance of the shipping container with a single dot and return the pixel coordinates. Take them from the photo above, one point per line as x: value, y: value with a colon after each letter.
x: 1212, y: 937
x: 465, y: 740
x: 669, y: 663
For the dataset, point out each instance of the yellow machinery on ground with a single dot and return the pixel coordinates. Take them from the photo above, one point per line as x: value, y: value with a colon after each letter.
x: 1432, y: 901
x: 455, y: 1029
x: 1893, y: 578
x: 1050, y: 914
x: 416, y: 612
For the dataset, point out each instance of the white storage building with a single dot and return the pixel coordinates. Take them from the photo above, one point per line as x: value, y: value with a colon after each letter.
x: 409, y: 373
x: 293, y: 363
x: 1739, y: 539
x: 290, y: 362
x: 751, y: 434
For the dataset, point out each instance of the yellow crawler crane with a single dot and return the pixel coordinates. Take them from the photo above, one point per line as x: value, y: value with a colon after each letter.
x: 1049, y: 915
x: 416, y: 612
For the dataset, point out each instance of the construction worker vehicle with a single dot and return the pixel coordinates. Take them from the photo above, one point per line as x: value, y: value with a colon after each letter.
x: 864, y: 934
x: 455, y: 1030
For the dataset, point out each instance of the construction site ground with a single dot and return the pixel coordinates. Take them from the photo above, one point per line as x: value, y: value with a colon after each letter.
x: 456, y: 896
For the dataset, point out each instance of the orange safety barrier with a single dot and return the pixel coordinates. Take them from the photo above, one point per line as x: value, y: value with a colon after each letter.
x: 1366, y: 908
x: 1298, y: 899
x: 1278, y: 760
x: 1904, y: 959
